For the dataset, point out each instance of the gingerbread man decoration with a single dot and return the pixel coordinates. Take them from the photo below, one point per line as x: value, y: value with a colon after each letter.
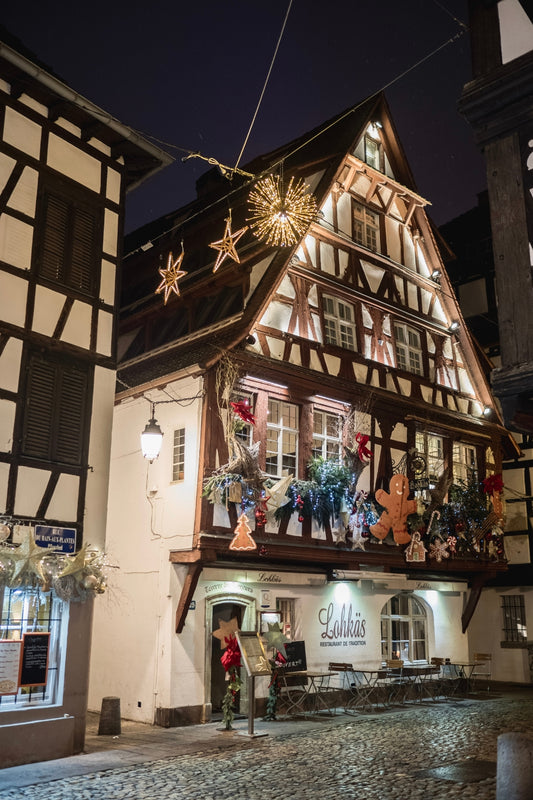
x: 398, y: 508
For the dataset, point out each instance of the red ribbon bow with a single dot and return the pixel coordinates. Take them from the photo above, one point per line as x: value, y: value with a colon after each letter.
x: 494, y: 483
x: 231, y: 657
x: 362, y: 451
x: 242, y: 409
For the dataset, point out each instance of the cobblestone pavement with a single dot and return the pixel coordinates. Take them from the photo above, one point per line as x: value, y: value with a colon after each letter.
x: 385, y: 756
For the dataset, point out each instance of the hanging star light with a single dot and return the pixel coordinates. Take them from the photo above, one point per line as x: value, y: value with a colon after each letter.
x: 226, y: 629
x: 171, y: 276
x: 278, y: 217
x: 226, y: 245
x: 27, y: 559
x: 275, y: 638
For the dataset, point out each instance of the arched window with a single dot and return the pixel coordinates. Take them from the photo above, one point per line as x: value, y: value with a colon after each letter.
x: 404, y: 629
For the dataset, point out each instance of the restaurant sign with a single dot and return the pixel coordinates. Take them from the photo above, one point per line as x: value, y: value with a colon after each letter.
x: 341, y: 626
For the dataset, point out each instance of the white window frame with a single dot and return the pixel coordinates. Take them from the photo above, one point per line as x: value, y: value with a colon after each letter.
x: 365, y: 226
x: 282, y: 438
x: 514, y: 618
x: 178, y: 455
x: 464, y: 462
x: 431, y: 448
x: 327, y: 435
x: 402, y: 645
x: 55, y: 622
x: 408, y: 345
x: 372, y: 152
x: 339, y: 323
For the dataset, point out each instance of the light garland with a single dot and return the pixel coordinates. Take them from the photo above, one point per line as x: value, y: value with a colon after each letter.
x: 226, y: 245
x: 281, y: 218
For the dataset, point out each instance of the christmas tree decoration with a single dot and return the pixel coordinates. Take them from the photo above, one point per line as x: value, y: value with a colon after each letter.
x: 226, y: 245
x: 278, y: 493
x: 358, y: 540
x: 397, y: 509
x: 26, y: 561
x: 261, y: 511
x: 363, y: 452
x: 171, y: 275
x: 226, y: 629
x: 493, y: 483
x: 281, y: 217
x: 415, y: 550
x: 275, y: 638
x: 242, y: 539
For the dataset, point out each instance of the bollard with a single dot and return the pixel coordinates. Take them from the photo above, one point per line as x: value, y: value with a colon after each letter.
x: 109, y: 717
x: 514, y: 778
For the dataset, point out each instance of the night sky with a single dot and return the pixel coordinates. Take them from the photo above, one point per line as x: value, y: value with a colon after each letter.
x: 189, y: 75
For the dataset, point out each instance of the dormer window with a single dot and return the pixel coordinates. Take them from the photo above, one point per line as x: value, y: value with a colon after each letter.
x: 365, y: 227
x: 408, y: 349
x: 339, y: 323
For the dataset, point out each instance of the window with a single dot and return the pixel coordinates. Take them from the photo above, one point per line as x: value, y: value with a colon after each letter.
x: 431, y: 448
x: 327, y: 435
x: 243, y: 430
x: 372, y: 152
x: 67, y: 252
x: 404, y: 629
x: 464, y: 462
x: 57, y: 399
x: 30, y: 611
x: 408, y: 349
x: 339, y: 323
x: 365, y: 227
x: 514, y: 618
x: 282, y: 439
x: 286, y: 608
x: 178, y: 455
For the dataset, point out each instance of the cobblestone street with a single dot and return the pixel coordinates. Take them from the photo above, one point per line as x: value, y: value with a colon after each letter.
x: 387, y: 755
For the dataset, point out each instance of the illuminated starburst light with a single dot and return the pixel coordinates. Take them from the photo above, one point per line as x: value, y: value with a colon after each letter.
x: 281, y: 218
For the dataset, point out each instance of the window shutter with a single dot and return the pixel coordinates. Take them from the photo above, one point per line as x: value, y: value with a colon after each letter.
x: 38, y: 419
x: 55, y: 236
x: 72, y: 399
x: 82, y: 250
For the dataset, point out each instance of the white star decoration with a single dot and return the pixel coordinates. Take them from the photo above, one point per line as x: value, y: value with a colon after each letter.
x: 226, y: 245
x: 171, y: 276
x: 438, y: 550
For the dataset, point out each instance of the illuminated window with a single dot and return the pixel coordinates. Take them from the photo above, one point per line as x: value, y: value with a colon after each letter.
x: 339, y: 323
x: 464, y: 462
x: 282, y: 438
x: 514, y: 618
x: 404, y: 629
x: 327, y: 435
x: 178, y: 455
x: 431, y: 448
x: 365, y: 227
x: 372, y: 152
x: 408, y: 349
x: 286, y: 609
x: 29, y: 611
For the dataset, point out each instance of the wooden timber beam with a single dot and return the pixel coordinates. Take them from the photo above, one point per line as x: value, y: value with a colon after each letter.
x: 188, y: 589
x: 473, y: 598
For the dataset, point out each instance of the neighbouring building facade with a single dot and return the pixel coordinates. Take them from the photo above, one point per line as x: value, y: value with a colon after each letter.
x: 331, y: 451
x: 65, y: 166
x: 494, y: 281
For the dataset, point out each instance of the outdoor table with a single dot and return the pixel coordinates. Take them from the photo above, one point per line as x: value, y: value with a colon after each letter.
x: 422, y: 678
x: 304, y: 691
x: 463, y: 672
x: 364, y: 689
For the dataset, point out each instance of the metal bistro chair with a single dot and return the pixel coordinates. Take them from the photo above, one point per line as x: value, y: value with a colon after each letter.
x: 345, y: 670
x: 397, y: 683
x: 294, y: 691
x: 483, y: 670
x: 439, y: 679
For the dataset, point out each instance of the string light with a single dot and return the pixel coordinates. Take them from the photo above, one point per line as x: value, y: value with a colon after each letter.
x: 281, y: 218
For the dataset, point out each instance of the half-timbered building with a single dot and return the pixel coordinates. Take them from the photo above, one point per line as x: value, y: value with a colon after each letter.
x: 352, y: 376
x: 65, y: 166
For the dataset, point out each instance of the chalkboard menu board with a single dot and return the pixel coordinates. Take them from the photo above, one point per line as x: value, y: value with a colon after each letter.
x: 34, y: 662
x: 295, y: 655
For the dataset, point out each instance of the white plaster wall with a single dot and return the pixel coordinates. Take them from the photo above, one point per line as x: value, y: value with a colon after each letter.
x: 4, y: 476
x: 107, y: 282
x: 74, y: 163
x: 486, y: 634
x: 7, y: 420
x: 46, y: 310
x: 24, y: 195
x: 10, y: 365
x: 15, y: 242
x: 516, y: 30
x: 22, y: 133
x: 344, y: 214
x: 392, y: 234
x: 147, y: 517
x: 31, y: 484
x: 99, y: 456
x: 77, y: 328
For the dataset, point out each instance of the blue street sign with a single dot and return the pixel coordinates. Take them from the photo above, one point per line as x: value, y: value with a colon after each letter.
x: 62, y: 540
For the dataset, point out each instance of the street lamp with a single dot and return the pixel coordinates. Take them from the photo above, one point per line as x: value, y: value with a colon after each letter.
x: 151, y: 438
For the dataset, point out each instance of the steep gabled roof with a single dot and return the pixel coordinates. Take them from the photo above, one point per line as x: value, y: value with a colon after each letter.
x: 208, y: 300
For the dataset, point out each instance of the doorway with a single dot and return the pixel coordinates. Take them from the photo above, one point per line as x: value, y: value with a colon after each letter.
x: 226, y: 608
